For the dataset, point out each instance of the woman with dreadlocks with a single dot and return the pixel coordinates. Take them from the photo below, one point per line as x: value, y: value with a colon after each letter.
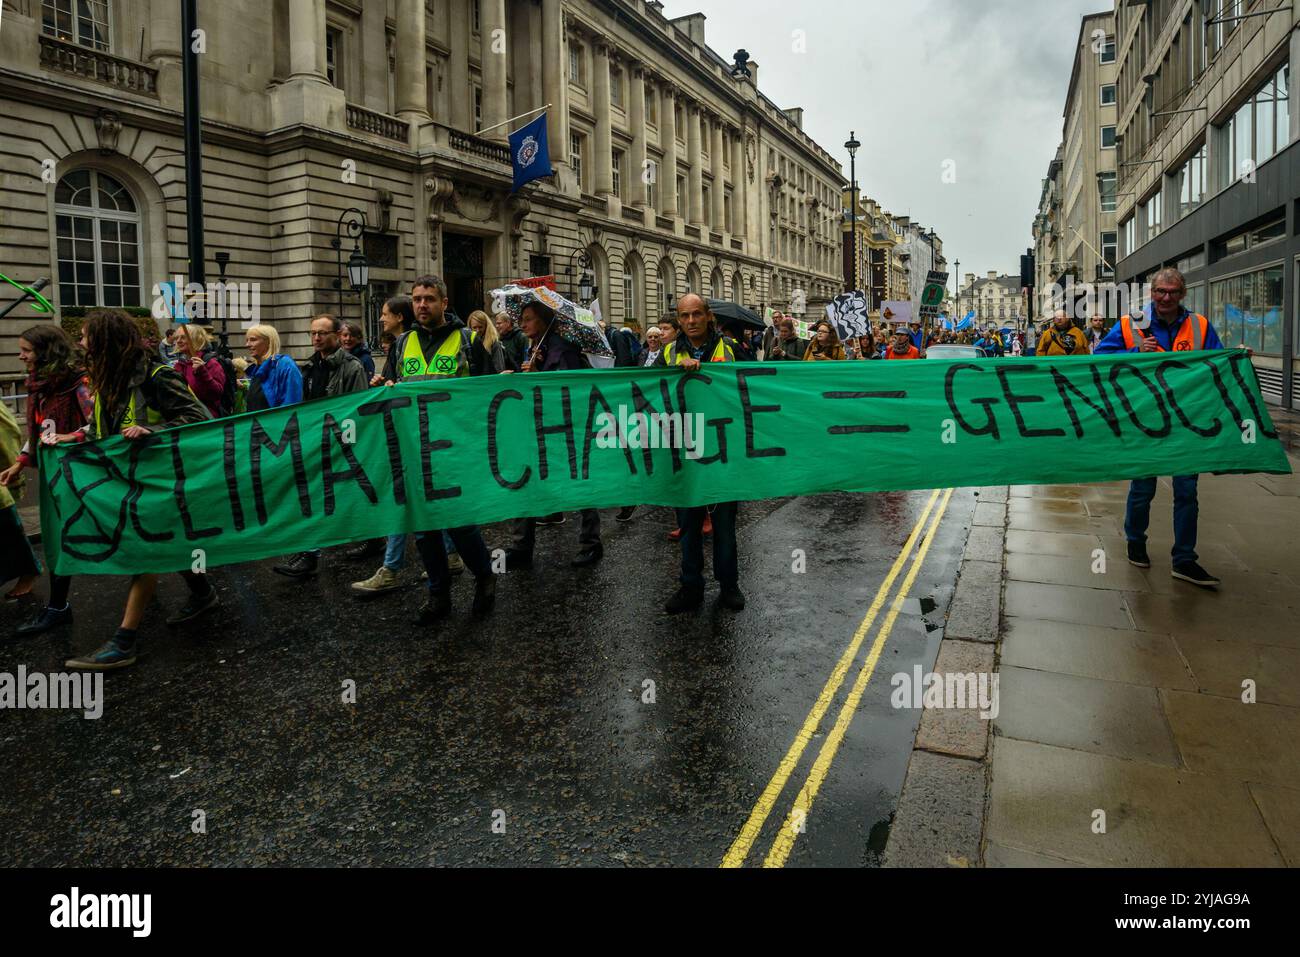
x: 136, y: 394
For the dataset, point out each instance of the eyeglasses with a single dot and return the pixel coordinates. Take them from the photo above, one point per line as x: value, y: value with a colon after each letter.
x: 1162, y: 293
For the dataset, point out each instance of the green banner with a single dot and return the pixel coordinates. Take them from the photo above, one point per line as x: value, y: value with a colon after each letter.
x: 446, y: 453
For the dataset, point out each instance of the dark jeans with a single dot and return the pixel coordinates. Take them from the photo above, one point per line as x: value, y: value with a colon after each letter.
x: 433, y: 552
x: 1138, y: 514
x: 725, y: 566
x: 523, y: 532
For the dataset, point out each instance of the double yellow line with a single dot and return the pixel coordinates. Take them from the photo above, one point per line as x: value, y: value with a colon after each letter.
x: 784, y: 841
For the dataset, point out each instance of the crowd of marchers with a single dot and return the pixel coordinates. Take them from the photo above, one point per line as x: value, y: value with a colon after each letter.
x: 114, y: 381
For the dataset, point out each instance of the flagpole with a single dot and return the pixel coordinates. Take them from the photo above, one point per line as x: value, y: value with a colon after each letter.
x: 497, y: 126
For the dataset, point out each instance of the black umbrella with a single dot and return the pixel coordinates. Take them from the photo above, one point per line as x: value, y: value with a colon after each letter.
x: 724, y: 310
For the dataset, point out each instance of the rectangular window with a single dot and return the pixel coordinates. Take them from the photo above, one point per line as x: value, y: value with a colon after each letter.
x: 682, y: 203
x: 1191, y: 183
x: 575, y: 157
x: 575, y: 62
x: 652, y: 187
x: 83, y: 22
x: 1247, y: 310
x: 476, y: 15
x: 1109, y: 252
x: 1129, y: 228
x: 333, y: 56
x: 616, y: 86
x: 478, y: 107
x: 1108, y: 51
x: 1108, y: 94
x: 1153, y: 208
x: 1107, y: 188
x: 1108, y: 137
x: 618, y: 173
x: 651, y: 108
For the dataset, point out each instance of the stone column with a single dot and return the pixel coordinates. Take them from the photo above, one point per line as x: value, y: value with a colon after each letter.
x: 602, y: 156
x: 412, y: 96
x: 636, y: 119
x: 695, y: 183
x: 306, y: 39
x: 719, y: 191
x: 461, y: 92
x: 492, y: 55
x: 667, y: 172
x: 165, y: 51
x: 555, y: 67
x: 739, y: 185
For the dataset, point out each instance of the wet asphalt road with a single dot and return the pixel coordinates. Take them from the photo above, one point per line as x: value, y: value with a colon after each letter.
x: 536, y: 713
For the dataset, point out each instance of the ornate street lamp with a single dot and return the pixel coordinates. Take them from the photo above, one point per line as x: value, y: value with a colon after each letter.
x: 358, y: 270
x: 852, y: 146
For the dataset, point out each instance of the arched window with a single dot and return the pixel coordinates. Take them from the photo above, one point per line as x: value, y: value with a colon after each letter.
x: 667, y: 285
x: 634, y: 290
x: 97, y: 229
x: 737, y: 289
x: 717, y: 286
x: 694, y: 281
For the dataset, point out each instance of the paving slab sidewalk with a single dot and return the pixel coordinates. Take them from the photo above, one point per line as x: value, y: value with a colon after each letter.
x: 1140, y: 721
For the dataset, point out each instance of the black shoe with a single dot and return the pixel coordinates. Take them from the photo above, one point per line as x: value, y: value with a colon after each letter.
x: 485, y: 595
x: 732, y: 598
x: 625, y: 514
x: 197, y: 605
x: 517, y: 559
x: 588, y: 556
x: 299, y: 566
x: 556, y: 518
x: 47, y: 620
x: 436, y: 607
x: 368, y: 549
x: 685, y: 599
x: 1137, y: 555
x: 1194, y: 573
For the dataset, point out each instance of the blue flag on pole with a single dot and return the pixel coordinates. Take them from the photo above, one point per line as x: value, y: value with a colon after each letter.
x: 530, y: 154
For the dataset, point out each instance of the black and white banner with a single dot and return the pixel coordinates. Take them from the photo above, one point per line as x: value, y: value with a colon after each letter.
x: 848, y: 313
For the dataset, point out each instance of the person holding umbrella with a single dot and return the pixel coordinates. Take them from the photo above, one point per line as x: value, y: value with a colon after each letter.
x: 560, y: 341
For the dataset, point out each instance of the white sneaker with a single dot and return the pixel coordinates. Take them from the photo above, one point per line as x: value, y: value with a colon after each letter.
x: 381, y: 581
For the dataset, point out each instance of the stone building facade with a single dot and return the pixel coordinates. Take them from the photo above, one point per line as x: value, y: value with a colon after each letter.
x: 672, y: 173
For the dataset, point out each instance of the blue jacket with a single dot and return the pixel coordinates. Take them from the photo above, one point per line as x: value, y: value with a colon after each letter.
x: 278, y: 379
x: 1114, y: 341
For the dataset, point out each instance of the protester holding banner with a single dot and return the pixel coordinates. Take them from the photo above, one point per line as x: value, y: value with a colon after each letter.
x: 553, y: 353
x: 440, y: 347
x: 1062, y: 338
x: 198, y: 364
x: 331, y: 371
x: 1165, y: 326
x: 902, y: 346
x: 700, y: 342
x: 136, y: 395
x: 825, y: 344
x: 273, y: 377
x: 57, y: 394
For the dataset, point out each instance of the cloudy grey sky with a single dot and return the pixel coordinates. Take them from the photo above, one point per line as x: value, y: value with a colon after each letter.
x: 980, y: 82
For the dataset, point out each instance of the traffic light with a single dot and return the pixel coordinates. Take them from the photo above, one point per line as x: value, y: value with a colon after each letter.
x: 1027, y: 271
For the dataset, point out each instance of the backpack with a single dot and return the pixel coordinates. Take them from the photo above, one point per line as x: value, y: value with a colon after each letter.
x: 230, y: 394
